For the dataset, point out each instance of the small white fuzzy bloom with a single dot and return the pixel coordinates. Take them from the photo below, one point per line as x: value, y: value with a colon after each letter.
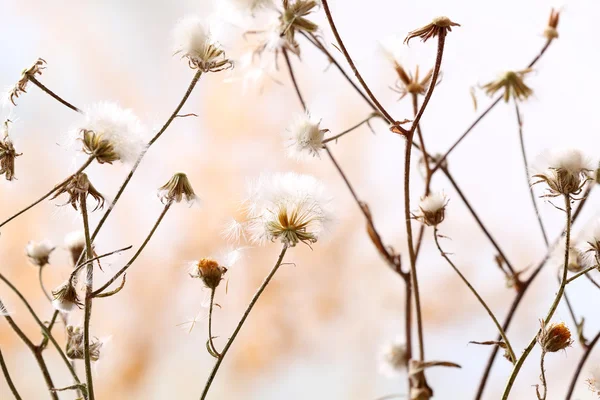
x: 193, y: 40
x: 287, y: 207
x: 39, y: 252
x: 110, y: 133
x: 432, y: 208
x: 393, y: 358
x: 304, y: 137
x: 565, y: 171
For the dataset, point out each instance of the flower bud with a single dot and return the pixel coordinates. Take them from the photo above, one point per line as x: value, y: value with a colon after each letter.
x: 432, y: 209
x: 178, y: 188
x: 209, y: 271
x: 554, y: 337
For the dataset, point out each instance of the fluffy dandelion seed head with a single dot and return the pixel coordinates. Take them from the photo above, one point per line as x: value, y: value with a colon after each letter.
x: 554, y: 337
x: 110, y: 133
x: 39, y: 252
x: 432, y: 208
x: 304, y: 137
x: 66, y: 298
x: 193, y: 40
x: 566, y: 172
x: 288, y: 207
x: 393, y: 358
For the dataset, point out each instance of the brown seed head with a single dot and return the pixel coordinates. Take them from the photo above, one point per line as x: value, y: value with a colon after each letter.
x: 439, y: 26
x: 66, y: 297
x: 511, y: 82
x: 75, y: 345
x: 409, y: 83
x: 95, y: 145
x: 7, y: 155
x: 21, y: 85
x: 210, y: 272
x: 551, y: 32
x: 176, y: 189
x: 554, y: 337
x: 78, y: 188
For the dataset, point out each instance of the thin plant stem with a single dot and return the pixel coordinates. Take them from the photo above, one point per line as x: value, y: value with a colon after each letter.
x: 9, y: 381
x: 526, y: 165
x: 581, y: 273
x: 592, y: 281
x: 89, y: 288
x: 472, y: 289
x: 40, y: 278
x: 54, y: 189
x: 56, y: 97
x: 553, y: 307
x: 354, y: 127
x: 293, y: 77
x: 542, y: 378
x: 45, y: 339
x: 77, y: 268
x: 580, y: 365
x: 210, y: 313
x: 137, y: 253
x: 241, y: 322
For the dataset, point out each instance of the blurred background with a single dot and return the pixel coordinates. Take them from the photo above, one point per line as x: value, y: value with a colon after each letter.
x: 319, y: 328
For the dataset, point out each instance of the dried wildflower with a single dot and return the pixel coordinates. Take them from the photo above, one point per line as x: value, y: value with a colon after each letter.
x: 577, y: 260
x: 420, y: 390
x: 393, y: 358
x: 511, y: 82
x: 293, y: 18
x: 210, y: 271
x: 566, y: 173
x: 7, y: 154
x: 439, y: 26
x: 39, y: 253
x: 594, y: 380
x: 21, y: 85
x: 305, y: 137
x: 288, y: 207
x: 75, y: 243
x: 110, y: 133
x: 178, y: 188
x: 554, y: 337
x: 409, y: 83
x: 193, y: 40
x: 75, y: 345
x: 78, y: 188
x: 550, y: 32
x: 66, y: 297
x: 432, y: 209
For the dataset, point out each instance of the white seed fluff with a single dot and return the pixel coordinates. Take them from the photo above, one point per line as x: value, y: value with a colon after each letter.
x: 304, y: 137
x: 193, y: 39
x: 433, y: 202
x: 392, y: 359
x: 121, y: 127
x: 39, y: 252
x: 75, y: 240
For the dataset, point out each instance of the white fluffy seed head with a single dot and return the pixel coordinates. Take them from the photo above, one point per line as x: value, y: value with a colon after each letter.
x: 193, y: 39
x: 39, y: 252
x: 75, y: 243
x: 250, y: 5
x: 432, y: 208
x: 304, y: 137
x: 393, y: 358
x: 565, y: 171
x: 111, y: 133
x: 287, y: 207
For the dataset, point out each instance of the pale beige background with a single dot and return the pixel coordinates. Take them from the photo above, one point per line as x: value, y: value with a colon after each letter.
x: 317, y: 331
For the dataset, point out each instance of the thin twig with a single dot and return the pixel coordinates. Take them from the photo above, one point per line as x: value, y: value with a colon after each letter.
x: 542, y: 378
x: 241, y: 322
x: 56, y: 97
x: 361, y: 123
x: 40, y: 278
x: 89, y: 288
x: 582, y: 361
x: 210, y: 314
x: 293, y: 76
x: 580, y: 273
x: 9, y: 381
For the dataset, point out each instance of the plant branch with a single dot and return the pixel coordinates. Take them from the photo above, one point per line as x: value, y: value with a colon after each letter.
x: 293, y: 77
x: 9, y: 381
x: 56, y: 97
x: 582, y: 361
x: 339, y: 135
x: 210, y: 314
x: 89, y: 283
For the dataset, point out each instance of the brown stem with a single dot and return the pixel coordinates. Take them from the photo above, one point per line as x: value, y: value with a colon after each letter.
x: 89, y: 283
x: 9, y: 381
x: 210, y: 315
x: 293, y: 76
x: 56, y: 97
x: 582, y: 361
x: 542, y: 396
x: 352, y: 128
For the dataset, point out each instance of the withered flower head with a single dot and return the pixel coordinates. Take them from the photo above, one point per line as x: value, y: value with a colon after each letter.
x: 293, y: 18
x: 439, y: 26
x: 178, y: 188
x: 566, y: 174
x: 75, y: 243
x: 409, y: 83
x: 554, y: 337
x: 78, y: 188
x: 432, y: 209
x: 66, y: 297
x: 577, y: 261
x: 511, y: 82
x: 75, y: 345
x: 39, y: 252
x: 550, y: 32
x: 210, y: 271
x: 21, y: 85
x: 7, y: 155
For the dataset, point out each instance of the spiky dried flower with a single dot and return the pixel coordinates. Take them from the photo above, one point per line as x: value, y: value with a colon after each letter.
x: 75, y: 345
x: 512, y: 85
x: 432, y: 209
x: 439, y: 26
x: 193, y: 40
x: 177, y: 189
x: 110, y: 133
x: 566, y: 173
x: 554, y: 337
x: 78, y: 188
x: 293, y: 18
x: 288, y: 207
x: 7, y: 154
x: 409, y: 83
x: 39, y: 252
x: 393, y: 358
x: 209, y: 270
x: 21, y: 86
x: 66, y: 297
x: 551, y: 32
x: 305, y: 137
x: 75, y: 243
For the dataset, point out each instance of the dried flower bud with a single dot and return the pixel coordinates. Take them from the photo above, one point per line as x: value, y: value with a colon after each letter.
x: 75, y: 243
x: 66, y: 297
x: 78, y: 188
x: 75, y: 345
x: 209, y: 271
x: 550, y: 32
x: 293, y: 18
x: 21, y: 85
x: 439, y: 26
x: 432, y: 209
x: 393, y: 358
x: 409, y: 83
x: 511, y: 82
x: 176, y: 189
x: 566, y: 174
x: 39, y: 253
x: 7, y: 154
x: 554, y: 337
